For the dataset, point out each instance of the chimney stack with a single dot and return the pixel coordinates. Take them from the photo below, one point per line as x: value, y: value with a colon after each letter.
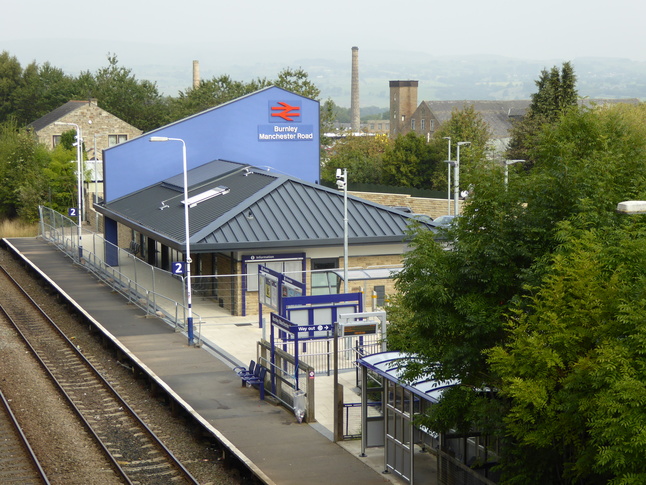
x: 355, y: 115
x: 196, y: 74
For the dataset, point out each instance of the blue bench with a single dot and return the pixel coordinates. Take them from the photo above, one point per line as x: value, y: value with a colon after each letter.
x: 254, y: 375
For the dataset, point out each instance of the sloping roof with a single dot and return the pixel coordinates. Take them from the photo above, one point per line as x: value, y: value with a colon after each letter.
x: 260, y: 210
x: 392, y: 365
x: 499, y: 115
x: 56, y: 115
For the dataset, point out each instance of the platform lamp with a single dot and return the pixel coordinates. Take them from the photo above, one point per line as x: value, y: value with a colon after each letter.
x: 507, y: 163
x: 632, y: 207
x: 448, y: 194
x: 342, y: 184
x: 79, y: 182
x: 189, y: 317
x: 96, y: 184
x: 456, y: 182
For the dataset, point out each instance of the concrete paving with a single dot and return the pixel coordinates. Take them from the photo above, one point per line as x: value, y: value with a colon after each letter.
x: 266, y: 436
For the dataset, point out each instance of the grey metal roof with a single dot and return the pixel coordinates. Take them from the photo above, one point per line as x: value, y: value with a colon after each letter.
x: 499, y: 115
x: 261, y: 210
x: 56, y: 115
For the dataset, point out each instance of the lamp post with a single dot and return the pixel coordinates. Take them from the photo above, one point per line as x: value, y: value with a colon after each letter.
x: 342, y: 183
x: 96, y: 197
x: 448, y: 180
x: 632, y: 207
x: 189, y: 317
x: 507, y: 163
x: 79, y: 182
x: 456, y: 181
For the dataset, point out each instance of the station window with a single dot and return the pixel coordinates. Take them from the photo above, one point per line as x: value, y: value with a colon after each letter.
x: 292, y: 268
x: 116, y: 139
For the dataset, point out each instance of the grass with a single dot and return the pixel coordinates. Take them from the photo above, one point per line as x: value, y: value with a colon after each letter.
x: 17, y: 228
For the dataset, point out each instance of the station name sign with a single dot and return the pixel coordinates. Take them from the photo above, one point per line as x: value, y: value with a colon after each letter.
x: 285, y: 133
x: 284, y: 123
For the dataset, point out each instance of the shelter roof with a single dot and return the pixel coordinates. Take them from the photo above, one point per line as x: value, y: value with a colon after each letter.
x: 391, y: 365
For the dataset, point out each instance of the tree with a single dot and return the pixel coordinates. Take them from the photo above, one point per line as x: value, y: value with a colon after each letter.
x: 41, y: 90
x: 464, y: 125
x: 361, y: 155
x: 571, y: 369
x: 556, y: 94
x: 22, y: 160
x: 119, y: 92
x: 208, y: 94
x: 542, y: 299
x: 297, y: 81
x: 408, y: 162
x: 10, y: 74
x: 222, y: 89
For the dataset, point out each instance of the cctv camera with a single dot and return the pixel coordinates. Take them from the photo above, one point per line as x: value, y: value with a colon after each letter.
x: 339, y: 173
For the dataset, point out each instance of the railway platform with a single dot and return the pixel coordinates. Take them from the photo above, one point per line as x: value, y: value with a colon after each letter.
x: 266, y: 437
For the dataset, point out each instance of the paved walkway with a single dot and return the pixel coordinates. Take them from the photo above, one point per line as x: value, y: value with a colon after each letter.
x: 267, y: 437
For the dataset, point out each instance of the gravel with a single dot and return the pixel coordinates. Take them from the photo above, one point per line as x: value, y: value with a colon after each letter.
x: 65, y: 450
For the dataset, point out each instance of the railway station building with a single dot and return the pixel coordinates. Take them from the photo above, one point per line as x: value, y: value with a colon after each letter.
x: 252, y: 172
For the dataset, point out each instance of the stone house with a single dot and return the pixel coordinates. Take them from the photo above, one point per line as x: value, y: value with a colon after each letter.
x: 99, y: 129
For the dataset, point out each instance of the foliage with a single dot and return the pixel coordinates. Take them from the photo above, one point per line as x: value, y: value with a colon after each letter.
x: 27, y: 174
x: 572, y: 369
x: 542, y: 298
x: 41, y: 90
x: 409, y: 162
x: 21, y: 164
x: 222, y: 89
x: 61, y: 175
x: 10, y: 78
x: 556, y: 94
x: 17, y: 228
x: 361, y: 155
x: 464, y: 125
x: 121, y: 94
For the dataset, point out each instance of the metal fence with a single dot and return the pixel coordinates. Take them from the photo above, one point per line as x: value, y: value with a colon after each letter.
x: 452, y: 472
x: 132, y: 277
x: 319, y: 353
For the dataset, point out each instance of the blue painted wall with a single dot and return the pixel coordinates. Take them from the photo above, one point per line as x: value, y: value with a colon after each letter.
x: 270, y: 128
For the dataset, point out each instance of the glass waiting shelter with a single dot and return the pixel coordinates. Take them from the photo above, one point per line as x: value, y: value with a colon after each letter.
x: 399, y: 403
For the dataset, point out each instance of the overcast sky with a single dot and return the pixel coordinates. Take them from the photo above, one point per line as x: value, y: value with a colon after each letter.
x: 159, y: 40
x: 545, y: 29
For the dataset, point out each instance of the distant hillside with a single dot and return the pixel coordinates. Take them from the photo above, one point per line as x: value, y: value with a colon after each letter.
x: 440, y: 78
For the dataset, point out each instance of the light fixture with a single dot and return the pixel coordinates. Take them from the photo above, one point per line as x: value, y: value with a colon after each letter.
x: 79, y: 186
x: 189, y: 297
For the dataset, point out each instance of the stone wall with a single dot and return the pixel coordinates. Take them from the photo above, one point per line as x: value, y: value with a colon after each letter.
x: 419, y: 205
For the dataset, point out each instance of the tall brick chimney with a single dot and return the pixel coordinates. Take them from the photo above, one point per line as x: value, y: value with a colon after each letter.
x: 196, y: 74
x: 355, y: 114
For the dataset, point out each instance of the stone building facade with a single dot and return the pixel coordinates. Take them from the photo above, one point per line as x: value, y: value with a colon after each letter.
x: 95, y: 124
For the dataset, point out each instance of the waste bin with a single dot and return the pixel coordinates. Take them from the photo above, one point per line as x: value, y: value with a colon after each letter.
x: 300, y: 405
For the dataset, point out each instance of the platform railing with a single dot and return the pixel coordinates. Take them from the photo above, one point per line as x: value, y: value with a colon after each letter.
x: 135, y: 279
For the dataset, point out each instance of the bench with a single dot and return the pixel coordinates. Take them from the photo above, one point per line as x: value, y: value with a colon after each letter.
x: 254, y: 375
x: 133, y: 248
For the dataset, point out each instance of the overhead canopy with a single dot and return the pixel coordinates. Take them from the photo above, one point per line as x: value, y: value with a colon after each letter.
x: 391, y: 365
x: 368, y: 274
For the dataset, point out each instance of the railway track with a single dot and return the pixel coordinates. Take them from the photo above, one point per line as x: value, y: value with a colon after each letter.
x: 132, y: 448
x: 18, y: 463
